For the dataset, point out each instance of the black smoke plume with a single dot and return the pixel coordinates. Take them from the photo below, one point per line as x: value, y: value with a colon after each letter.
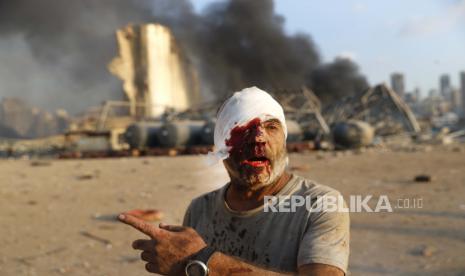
x: 337, y: 79
x: 54, y: 53
x: 57, y: 51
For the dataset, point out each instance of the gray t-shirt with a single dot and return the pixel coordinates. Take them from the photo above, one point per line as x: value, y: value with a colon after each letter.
x: 280, y: 241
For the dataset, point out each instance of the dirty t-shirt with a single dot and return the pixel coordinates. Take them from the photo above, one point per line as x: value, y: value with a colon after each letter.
x: 280, y: 241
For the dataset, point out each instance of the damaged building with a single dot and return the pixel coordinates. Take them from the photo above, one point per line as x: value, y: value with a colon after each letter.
x: 156, y: 74
x: 378, y: 106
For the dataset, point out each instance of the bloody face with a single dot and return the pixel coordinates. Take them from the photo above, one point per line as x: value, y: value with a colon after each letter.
x: 257, y: 154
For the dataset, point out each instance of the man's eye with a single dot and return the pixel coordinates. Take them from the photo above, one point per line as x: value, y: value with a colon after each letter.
x: 271, y: 126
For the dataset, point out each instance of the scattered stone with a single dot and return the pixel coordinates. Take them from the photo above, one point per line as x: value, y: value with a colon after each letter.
x: 424, y: 251
x: 324, y: 145
x: 427, y: 149
x: 94, y: 237
x: 426, y: 266
x: 40, y: 163
x: 107, y: 227
x: 423, y: 178
x: 347, y: 152
x: 86, y: 176
x: 107, y: 217
x: 428, y: 251
x: 130, y: 259
x: 32, y: 202
x: 302, y: 168
x: 320, y: 155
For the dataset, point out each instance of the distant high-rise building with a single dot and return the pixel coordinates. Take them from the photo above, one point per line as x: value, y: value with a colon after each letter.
x: 416, y: 94
x: 433, y: 93
x: 444, y: 87
x: 462, y: 89
x: 398, y: 84
x: 455, y: 100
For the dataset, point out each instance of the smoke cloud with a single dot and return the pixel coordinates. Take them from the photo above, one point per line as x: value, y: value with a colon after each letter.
x: 54, y: 53
x: 337, y: 79
x: 57, y: 51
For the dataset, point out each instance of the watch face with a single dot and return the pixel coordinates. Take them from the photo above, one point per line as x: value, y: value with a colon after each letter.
x: 196, y: 268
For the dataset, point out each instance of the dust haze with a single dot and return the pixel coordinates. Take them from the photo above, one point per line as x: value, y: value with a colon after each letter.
x: 56, y: 52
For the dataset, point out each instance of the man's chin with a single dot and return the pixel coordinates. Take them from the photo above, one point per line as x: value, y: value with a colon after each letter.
x: 257, y: 176
x: 256, y: 181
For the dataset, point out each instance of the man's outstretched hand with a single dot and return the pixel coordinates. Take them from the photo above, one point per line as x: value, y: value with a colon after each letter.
x: 168, y: 248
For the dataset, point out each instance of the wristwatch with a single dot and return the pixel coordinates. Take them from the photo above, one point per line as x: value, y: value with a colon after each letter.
x: 197, y: 265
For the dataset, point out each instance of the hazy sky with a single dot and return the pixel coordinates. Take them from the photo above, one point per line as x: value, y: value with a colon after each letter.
x: 420, y: 38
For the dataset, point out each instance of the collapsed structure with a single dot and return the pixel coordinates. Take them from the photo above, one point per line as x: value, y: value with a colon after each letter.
x: 304, y: 107
x: 158, y: 79
x: 162, y: 108
x: 156, y: 74
x: 379, y: 106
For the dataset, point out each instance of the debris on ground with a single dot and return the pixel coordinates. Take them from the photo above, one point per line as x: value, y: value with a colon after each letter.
x: 94, y: 237
x: 380, y: 107
x: 301, y: 168
x: 86, y: 176
x: 423, y: 178
x: 424, y: 251
x: 27, y: 260
x: 40, y: 163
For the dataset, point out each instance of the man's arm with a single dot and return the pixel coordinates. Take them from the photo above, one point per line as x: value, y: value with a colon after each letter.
x: 221, y: 264
x: 169, y: 246
x: 320, y: 270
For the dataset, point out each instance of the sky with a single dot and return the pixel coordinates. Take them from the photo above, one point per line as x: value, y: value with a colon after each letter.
x: 422, y: 39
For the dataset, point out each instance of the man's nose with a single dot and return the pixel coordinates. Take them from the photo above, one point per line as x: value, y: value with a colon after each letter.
x: 259, y: 135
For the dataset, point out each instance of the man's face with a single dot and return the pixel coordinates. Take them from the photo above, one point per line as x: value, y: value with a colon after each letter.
x: 257, y: 155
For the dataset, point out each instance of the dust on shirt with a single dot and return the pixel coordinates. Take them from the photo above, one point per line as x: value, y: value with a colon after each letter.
x: 280, y: 241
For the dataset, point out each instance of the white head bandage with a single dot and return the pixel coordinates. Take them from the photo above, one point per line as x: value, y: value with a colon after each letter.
x: 238, y: 110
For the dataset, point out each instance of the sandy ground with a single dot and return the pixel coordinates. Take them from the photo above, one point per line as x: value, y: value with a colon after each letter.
x: 56, y: 216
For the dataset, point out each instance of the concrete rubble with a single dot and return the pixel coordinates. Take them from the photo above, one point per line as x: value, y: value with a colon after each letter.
x: 379, y: 106
x: 162, y: 114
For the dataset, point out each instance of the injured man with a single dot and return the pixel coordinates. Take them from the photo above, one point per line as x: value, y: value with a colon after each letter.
x: 265, y: 221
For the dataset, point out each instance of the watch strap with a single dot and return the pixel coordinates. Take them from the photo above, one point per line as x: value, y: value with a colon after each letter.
x: 204, y: 254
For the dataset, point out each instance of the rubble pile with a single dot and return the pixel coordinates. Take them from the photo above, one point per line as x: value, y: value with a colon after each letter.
x: 379, y: 106
x: 20, y: 120
x: 377, y: 118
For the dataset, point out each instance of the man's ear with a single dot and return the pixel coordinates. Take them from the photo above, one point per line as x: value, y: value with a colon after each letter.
x: 230, y: 168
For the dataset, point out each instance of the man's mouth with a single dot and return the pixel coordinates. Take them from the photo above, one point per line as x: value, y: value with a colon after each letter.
x: 256, y: 162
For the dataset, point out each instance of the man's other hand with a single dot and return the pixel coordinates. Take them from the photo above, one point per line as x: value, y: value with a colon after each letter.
x: 168, y: 248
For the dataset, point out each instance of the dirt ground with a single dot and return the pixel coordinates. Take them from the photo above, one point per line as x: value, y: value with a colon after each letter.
x: 56, y: 216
